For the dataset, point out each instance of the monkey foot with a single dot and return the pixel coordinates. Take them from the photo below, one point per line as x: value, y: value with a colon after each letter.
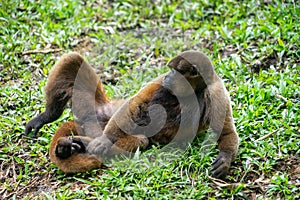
x: 35, y: 124
x: 67, y: 146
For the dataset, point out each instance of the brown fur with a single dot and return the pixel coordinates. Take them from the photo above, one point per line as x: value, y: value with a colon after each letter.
x: 77, y: 162
x: 107, y: 127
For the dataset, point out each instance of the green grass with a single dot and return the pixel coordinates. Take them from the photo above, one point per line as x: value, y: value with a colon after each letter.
x: 255, y: 46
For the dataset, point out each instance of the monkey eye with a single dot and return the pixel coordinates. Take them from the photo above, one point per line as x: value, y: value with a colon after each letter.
x: 194, y: 71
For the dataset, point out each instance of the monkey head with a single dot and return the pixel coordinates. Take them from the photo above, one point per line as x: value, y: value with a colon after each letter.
x: 190, y: 71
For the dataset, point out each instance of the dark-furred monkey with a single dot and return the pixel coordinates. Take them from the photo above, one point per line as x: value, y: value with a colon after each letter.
x: 171, y: 109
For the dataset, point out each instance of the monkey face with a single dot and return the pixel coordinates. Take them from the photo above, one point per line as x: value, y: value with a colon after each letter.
x: 183, y: 79
x: 189, y: 67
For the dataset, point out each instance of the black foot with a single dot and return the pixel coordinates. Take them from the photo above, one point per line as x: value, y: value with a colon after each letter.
x: 35, y: 124
x: 68, y: 146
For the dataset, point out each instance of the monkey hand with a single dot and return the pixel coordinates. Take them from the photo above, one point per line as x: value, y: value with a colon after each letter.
x: 67, y: 146
x: 221, y: 165
x: 99, y: 146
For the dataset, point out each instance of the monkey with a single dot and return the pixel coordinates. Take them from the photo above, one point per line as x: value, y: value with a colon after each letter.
x: 173, y: 108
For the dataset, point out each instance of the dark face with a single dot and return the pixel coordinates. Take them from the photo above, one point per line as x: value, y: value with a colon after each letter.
x: 183, y: 81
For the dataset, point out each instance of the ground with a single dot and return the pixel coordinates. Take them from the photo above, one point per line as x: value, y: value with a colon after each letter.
x: 254, y: 46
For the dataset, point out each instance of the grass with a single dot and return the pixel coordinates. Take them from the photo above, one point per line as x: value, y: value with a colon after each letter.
x: 253, y: 44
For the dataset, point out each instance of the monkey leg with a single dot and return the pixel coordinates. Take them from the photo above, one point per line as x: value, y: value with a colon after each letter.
x: 70, y: 74
x: 68, y: 150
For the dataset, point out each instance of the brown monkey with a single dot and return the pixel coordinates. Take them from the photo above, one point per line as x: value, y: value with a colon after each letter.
x: 171, y: 109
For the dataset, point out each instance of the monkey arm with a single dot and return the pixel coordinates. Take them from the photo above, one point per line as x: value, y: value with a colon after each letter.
x: 228, y: 147
x: 221, y: 121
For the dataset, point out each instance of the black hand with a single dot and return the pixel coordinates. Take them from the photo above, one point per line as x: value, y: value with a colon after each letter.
x: 221, y: 165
